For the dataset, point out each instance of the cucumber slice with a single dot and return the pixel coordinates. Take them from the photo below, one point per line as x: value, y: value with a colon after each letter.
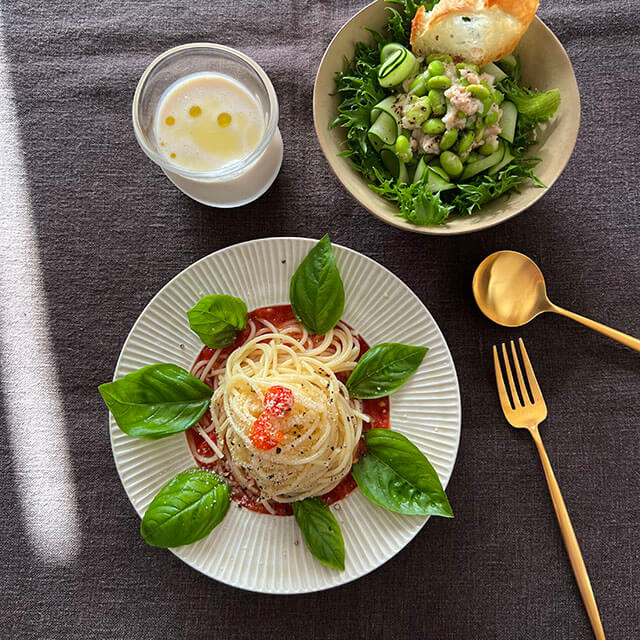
x: 404, y: 173
x: 474, y: 168
x: 397, y: 68
x: 440, y: 172
x: 385, y: 128
x: 383, y: 105
x: 397, y: 168
x: 388, y: 49
x: 508, y: 120
x: 507, y: 158
x: 494, y: 70
x: 391, y: 161
x: 423, y: 166
x: 438, y: 180
x: 509, y: 63
x: 420, y: 169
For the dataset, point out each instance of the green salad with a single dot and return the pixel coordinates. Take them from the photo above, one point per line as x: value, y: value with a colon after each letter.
x: 436, y: 136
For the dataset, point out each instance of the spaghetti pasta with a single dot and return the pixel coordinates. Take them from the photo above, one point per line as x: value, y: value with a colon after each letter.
x: 321, y: 430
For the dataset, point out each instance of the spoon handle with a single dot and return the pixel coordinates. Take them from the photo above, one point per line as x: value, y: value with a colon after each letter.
x: 627, y: 340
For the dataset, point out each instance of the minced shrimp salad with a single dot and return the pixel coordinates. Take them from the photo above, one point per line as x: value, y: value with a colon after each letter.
x: 436, y: 136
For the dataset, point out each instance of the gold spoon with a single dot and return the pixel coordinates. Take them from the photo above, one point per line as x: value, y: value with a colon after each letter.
x: 510, y: 290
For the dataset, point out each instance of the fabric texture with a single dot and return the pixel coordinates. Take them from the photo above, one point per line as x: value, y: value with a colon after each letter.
x: 90, y: 230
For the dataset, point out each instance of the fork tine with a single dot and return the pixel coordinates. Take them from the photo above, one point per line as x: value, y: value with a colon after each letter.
x: 512, y: 384
x: 502, y: 390
x: 536, y: 394
x: 523, y: 388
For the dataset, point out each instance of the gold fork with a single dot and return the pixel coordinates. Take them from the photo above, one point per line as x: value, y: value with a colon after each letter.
x: 526, y: 411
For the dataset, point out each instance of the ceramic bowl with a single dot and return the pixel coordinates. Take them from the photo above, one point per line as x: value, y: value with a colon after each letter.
x: 545, y: 65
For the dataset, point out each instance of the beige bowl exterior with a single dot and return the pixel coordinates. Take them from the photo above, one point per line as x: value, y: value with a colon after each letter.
x: 545, y: 65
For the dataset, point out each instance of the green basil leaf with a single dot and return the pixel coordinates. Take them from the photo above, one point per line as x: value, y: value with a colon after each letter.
x: 395, y: 474
x: 320, y: 531
x: 316, y: 291
x: 186, y: 509
x: 156, y: 401
x: 217, y: 320
x: 384, y: 369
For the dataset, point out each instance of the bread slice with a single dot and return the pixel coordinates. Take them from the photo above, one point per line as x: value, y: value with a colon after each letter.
x: 478, y: 31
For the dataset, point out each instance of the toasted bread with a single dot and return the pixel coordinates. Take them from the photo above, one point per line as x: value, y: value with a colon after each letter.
x: 478, y: 31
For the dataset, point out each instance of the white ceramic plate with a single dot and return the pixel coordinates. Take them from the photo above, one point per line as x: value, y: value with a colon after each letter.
x: 266, y: 553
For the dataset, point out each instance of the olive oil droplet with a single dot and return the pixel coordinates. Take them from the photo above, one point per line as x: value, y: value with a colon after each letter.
x: 195, y: 111
x: 170, y: 121
x: 224, y: 119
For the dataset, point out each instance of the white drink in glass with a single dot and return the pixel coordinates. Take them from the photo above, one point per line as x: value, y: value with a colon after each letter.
x: 207, y: 115
x: 206, y: 121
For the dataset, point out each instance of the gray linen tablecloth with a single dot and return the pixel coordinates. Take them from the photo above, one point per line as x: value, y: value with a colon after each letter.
x: 90, y: 230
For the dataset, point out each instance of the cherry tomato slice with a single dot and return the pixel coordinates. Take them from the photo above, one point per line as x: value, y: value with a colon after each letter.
x: 264, y: 435
x: 278, y: 401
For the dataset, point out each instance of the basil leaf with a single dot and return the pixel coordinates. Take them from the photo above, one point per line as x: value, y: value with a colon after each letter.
x: 321, y: 531
x: 156, y: 401
x: 316, y: 291
x: 395, y: 474
x: 217, y: 320
x: 384, y: 369
x: 186, y: 509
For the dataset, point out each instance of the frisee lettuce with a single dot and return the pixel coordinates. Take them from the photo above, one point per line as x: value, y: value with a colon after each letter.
x: 533, y: 107
x: 359, y: 91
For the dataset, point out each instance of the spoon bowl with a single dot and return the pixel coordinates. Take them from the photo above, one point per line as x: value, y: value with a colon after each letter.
x: 509, y: 288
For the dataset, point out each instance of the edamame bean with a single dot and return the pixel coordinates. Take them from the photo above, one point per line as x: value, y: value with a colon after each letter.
x: 472, y: 157
x: 402, y: 144
x: 467, y: 65
x: 436, y: 68
x: 486, y: 105
x: 437, y: 101
x: 478, y: 91
x: 419, y: 112
x: 448, y: 139
x: 466, y: 141
x: 489, y: 147
x: 491, y: 117
x: 451, y: 163
x: 479, y: 133
x: 433, y: 126
x: 443, y: 57
x: 419, y: 86
x: 498, y: 97
x: 403, y: 148
x: 439, y: 82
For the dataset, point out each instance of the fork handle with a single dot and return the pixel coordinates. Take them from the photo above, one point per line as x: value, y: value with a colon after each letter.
x: 570, y: 541
x: 614, y: 334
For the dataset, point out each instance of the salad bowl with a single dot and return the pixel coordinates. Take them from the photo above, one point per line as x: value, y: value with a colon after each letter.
x: 544, y: 65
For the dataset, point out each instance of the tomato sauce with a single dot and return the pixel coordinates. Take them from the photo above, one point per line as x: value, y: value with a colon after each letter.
x: 377, y: 410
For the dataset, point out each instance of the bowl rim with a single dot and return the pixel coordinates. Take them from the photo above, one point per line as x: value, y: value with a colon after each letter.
x: 338, y: 166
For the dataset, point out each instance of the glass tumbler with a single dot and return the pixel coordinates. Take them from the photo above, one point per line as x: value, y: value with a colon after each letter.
x: 240, y: 181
